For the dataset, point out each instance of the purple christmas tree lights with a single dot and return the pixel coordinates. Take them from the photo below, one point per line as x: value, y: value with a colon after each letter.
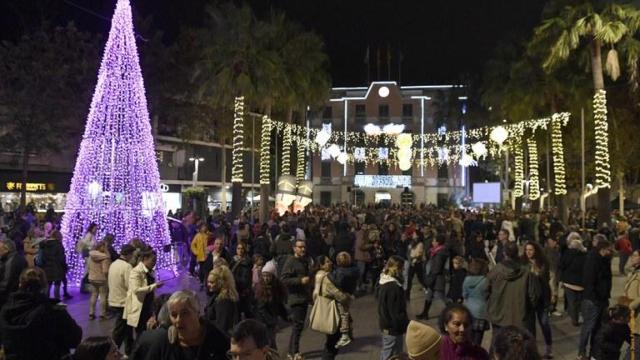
x: 116, y: 183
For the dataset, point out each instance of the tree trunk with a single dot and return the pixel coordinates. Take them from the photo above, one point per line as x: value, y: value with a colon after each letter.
x: 25, y: 171
x: 223, y: 190
x: 604, y: 198
x: 621, y: 192
x: 237, y: 201
x: 265, y: 189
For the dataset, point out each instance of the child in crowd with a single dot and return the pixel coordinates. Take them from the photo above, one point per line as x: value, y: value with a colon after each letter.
x: 345, y: 277
x: 613, y: 334
x: 457, y: 279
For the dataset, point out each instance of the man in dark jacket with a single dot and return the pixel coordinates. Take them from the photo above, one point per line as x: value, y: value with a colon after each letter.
x: 33, y: 326
x: 435, y: 270
x: 11, y: 265
x: 392, y: 308
x: 511, y: 293
x: 281, y: 247
x: 296, y: 277
x: 597, y: 290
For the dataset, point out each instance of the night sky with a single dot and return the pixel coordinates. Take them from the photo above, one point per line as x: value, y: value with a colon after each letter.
x: 441, y: 41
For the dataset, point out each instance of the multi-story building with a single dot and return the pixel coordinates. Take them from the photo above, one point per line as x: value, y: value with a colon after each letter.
x: 421, y: 109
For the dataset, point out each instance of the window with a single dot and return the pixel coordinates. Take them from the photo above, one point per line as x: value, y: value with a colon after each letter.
x: 325, y: 198
x: 361, y: 111
x: 359, y: 167
x: 443, y: 172
x: 325, y: 170
x: 327, y: 113
x: 407, y: 110
x: 383, y: 169
x: 383, y: 111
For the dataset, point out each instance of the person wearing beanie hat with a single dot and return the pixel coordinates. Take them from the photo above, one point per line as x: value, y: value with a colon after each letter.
x: 423, y: 342
x: 270, y: 267
x: 270, y: 296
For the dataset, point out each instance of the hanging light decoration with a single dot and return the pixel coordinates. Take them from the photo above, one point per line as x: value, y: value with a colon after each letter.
x: 499, y: 134
x: 300, y: 163
x: 519, y: 168
x: 265, y: 151
x: 334, y: 150
x: 467, y: 160
x: 558, y: 121
x: 342, y: 158
x: 479, y: 149
x: 372, y: 130
x: 603, y: 170
x: 238, y: 140
x: 286, y: 151
x: 534, y: 176
x: 393, y: 129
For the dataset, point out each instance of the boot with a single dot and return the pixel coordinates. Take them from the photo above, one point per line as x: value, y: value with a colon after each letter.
x: 424, y: 315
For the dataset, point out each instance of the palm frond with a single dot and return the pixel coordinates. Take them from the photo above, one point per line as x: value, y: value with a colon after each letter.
x: 611, y: 32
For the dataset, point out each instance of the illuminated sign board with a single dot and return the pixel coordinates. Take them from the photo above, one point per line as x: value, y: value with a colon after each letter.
x: 30, y: 187
x: 382, y: 181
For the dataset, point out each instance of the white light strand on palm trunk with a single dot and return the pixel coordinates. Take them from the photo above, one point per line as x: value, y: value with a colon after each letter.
x: 534, y: 176
x: 558, y: 121
x: 265, y: 151
x: 603, y: 171
x: 238, y: 139
x: 519, y: 167
x: 300, y: 161
x: 286, y: 151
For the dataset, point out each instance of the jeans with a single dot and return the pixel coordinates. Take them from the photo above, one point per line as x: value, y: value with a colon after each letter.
x: 391, y: 345
x: 574, y: 302
x: 543, y: 321
x: 98, y: 288
x: 298, y: 315
x: 363, y: 268
x: 415, y: 269
x: 592, y: 314
x: 329, y: 352
x: 56, y: 289
x: 121, y: 331
x: 636, y: 351
x: 476, y: 337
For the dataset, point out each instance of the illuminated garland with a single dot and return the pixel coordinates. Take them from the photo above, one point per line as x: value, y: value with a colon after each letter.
x: 286, y: 151
x: 238, y: 139
x: 300, y: 169
x: 603, y: 172
x: 559, y: 120
x: 534, y: 179
x: 519, y: 166
x: 265, y: 151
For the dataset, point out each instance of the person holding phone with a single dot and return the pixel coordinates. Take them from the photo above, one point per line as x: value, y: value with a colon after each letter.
x: 138, y: 307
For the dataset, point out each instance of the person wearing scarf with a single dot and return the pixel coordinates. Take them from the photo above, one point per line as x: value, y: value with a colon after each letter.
x: 455, y: 325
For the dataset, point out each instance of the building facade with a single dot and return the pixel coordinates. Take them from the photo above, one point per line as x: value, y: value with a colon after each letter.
x: 421, y: 109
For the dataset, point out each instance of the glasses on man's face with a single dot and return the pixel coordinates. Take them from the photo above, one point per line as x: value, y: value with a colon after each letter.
x: 231, y: 355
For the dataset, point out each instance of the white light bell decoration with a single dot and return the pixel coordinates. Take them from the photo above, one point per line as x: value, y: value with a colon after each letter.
x: 334, y: 150
x: 342, y: 158
x: 466, y: 160
x: 393, y: 129
x: 359, y: 154
x: 372, y: 130
x: 287, y: 189
x: 404, y: 141
x: 94, y: 189
x: 443, y: 154
x: 499, y: 134
x: 479, y: 149
x: 404, y: 165
x: 404, y: 154
x: 322, y: 137
x: 305, y: 188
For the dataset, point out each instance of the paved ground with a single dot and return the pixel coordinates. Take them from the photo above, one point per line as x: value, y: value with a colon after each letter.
x: 367, y: 337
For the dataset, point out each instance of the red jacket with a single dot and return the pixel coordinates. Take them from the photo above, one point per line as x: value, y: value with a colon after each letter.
x: 623, y: 245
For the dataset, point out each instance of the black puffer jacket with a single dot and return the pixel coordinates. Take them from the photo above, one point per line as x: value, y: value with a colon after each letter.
x: 34, y: 328
x: 572, y: 266
x: 392, y: 306
x: 597, y: 278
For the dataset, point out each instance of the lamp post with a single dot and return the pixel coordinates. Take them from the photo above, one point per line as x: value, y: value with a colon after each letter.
x: 197, y: 160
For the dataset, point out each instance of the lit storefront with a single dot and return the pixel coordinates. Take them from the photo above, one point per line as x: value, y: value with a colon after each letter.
x: 43, y: 189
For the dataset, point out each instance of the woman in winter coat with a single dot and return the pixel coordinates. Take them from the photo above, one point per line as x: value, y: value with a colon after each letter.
x: 138, y: 307
x: 571, y: 270
x: 33, y: 326
x: 270, y: 297
x: 475, y: 291
x: 30, y: 244
x: 99, y: 262
x: 241, y: 269
x: 632, y: 292
x: 454, y: 322
x: 222, y: 307
x: 416, y: 264
x: 322, y: 280
x: 392, y: 308
x: 54, y: 262
x: 539, y: 267
x: 435, y: 280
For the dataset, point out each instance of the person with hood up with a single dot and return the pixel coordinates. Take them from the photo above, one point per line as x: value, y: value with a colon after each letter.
x: 99, y: 262
x: 571, y: 267
x: 29, y: 317
x: 511, y: 297
x: 392, y: 308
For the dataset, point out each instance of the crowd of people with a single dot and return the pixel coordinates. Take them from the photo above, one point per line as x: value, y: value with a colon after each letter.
x: 487, y: 270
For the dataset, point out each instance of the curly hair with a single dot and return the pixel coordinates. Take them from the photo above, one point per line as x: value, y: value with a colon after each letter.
x: 513, y: 343
x: 222, y: 279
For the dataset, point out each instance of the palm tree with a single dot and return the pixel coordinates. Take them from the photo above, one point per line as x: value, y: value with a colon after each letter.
x: 609, y: 24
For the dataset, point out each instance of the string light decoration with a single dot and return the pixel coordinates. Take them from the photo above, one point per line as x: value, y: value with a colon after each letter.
x: 519, y: 167
x: 286, y: 151
x: 603, y: 170
x: 300, y: 168
x: 557, y: 122
x: 115, y: 182
x: 265, y: 151
x: 534, y: 175
x: 238, y: 140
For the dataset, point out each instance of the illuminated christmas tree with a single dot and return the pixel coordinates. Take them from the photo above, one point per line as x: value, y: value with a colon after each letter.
x: 116, y: 183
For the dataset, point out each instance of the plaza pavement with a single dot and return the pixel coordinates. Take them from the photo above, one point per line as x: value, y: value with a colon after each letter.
x: 364, y: 311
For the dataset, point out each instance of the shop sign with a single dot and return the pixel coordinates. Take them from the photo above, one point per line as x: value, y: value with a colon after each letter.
x: 382, y: 181
x: 30, y: 187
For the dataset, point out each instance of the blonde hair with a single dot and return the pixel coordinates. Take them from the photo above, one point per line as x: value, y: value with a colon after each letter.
x: 222, y: 278
x: 394, y: 266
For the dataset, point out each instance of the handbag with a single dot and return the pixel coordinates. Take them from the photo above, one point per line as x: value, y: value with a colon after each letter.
x: 324, y: 316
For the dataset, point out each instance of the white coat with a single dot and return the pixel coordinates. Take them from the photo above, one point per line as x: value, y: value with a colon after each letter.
x: 138, y: 289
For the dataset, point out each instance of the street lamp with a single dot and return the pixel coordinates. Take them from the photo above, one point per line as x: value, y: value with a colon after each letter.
x: 197, y: 160
x: 499, y: 134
